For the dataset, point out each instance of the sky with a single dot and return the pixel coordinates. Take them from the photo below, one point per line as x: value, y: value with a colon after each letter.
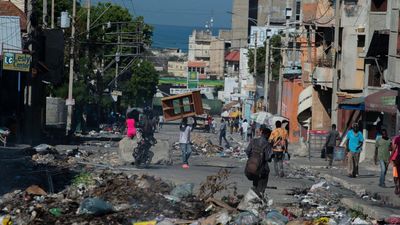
x: 193, y: 13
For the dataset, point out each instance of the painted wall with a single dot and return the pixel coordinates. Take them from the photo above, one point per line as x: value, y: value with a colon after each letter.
x: 291, y: 91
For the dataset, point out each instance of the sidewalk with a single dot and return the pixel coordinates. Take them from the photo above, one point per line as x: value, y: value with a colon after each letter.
x: 370, y: 198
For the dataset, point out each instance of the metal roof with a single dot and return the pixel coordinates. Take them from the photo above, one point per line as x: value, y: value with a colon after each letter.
x: 10, y: 34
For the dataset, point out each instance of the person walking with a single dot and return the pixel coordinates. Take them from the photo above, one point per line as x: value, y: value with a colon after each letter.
x: 395, y: 159
x: 330, y: 144
x: 278, y: 139
x: 184, y: 141
x: 161, y: 121
x: 259, y: 154
x: 213, y: 125
x: 382, y: 154
x: 222, y: 133
x: 355, y: 141
x: 245, y: 128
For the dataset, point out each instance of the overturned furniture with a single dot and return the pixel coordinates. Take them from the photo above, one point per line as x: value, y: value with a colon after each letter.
x: 182, y: 105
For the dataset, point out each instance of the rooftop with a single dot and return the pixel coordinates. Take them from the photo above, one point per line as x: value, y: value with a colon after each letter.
x: 9, y: 9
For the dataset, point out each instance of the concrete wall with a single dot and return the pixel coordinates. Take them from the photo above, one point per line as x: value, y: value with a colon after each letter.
x: 217, y: 53
x: 320, y: 119
x: 291, y: 91
x: 394, y: 59
x: 177, y: 68
x: 240, y: 26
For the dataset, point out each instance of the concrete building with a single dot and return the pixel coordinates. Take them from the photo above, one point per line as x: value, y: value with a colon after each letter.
x: 177, y: 68
x: 199, y: 45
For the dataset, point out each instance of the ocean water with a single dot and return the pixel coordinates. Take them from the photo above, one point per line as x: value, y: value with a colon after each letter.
x: 168, y: 36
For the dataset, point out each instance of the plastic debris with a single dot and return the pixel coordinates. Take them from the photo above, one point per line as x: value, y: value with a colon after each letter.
x: 246, y: 218
x: 320, y: 185
x: 251, y: 202
x: 55, y: 212
x: 95, y: 206
x: 359, y: 221
x: 183, y: 190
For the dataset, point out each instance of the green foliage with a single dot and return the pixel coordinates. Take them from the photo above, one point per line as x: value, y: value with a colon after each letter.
x: 142, y: 86
x: 275, y: 59
x: 83, y: 178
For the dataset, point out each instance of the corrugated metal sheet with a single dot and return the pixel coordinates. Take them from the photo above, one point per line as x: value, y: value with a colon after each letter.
x: 20, y: 4
x: 10, y: 34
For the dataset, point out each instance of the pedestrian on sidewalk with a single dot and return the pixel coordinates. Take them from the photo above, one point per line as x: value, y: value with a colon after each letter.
x: 395, y: 159
x: 259, y: 154
x: 382, y: 153
x: 278, y: 140
x: 330, y: 144
x: 355, y: 141
x: 222, y: 133
x: 184, y: 141
x: 245, y: 127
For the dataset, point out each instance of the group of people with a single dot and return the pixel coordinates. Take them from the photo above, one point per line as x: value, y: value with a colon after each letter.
x: 387, y: 152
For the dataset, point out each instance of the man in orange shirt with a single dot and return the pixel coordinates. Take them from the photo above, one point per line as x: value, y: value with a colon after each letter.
x: 278, y: 141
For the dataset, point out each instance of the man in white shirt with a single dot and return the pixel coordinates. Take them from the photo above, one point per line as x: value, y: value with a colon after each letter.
x: 245, y: 127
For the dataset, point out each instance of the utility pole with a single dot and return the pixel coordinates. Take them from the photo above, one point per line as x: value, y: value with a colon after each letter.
x: 255, y: 65
x: 334, y: 116
x: 44, y: 14
x: 117, y: 55
x: 71, y: 70
x: 52, y: 14
x: 87, y: 20
x: 284, y: 60
x: 267, y: 67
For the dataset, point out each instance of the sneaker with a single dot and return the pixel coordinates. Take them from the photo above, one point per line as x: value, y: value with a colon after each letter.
x: 185, y: 166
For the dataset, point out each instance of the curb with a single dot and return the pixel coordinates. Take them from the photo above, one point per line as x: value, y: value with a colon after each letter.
x: 368, y: 208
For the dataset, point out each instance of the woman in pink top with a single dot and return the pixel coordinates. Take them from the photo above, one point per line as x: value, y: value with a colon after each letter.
x: 130, y: 127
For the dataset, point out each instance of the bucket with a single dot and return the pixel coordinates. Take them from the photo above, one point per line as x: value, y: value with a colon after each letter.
x: 339, y: 153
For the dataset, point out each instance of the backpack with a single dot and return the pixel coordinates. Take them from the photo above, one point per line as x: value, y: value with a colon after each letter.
x: 255, y: 162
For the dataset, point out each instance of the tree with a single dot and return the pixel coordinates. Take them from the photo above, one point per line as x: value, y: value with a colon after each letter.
x: 275, y: 60
x: 142, y: 86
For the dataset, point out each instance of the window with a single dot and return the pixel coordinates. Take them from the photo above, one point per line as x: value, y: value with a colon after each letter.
x: 378, y: 5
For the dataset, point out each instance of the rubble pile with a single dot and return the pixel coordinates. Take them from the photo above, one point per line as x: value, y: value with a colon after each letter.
x: 107, y: 198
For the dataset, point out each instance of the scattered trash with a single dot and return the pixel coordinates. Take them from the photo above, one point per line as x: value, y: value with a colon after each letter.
x: 55, y: 212
x: 251, y: 202
x: 273, y: 217
x: 359, y: 221
x: 43, y: 148
x: 246, y: 218
x: 35, y: 190
x: 183, y: 190
x: 321, y: 184
x: 95, y: 206
x: 153, y: 222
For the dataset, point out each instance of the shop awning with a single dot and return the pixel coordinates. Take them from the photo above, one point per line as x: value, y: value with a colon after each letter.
x: 382, y: 101
x: 356, y: 103
x: 231, y: 105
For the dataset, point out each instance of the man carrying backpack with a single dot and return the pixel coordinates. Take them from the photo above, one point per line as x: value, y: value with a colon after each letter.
x: 259, y: 153
x: 278, y: 140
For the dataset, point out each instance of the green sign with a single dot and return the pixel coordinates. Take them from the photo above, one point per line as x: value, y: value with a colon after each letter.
x: 193, y: 80
x: 16, y: 62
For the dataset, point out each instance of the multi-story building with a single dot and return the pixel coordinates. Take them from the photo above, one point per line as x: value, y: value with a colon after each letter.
x: 199, y: 45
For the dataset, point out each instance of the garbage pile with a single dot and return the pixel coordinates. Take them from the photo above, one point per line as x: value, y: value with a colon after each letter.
x: 70, y: 156
x: 106, y: 198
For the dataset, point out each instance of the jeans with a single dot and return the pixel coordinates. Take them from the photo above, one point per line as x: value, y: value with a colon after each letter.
x: 329, y: 154
x: 222, y: 135
x: 186, y: 151
x: 384, y: 167
x: 353, y: 159
x: 278, y: 164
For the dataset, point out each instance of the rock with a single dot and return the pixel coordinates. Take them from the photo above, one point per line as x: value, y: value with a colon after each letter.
x: 162, y: 154
x: 35, y: 190
x: 125, y: 149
